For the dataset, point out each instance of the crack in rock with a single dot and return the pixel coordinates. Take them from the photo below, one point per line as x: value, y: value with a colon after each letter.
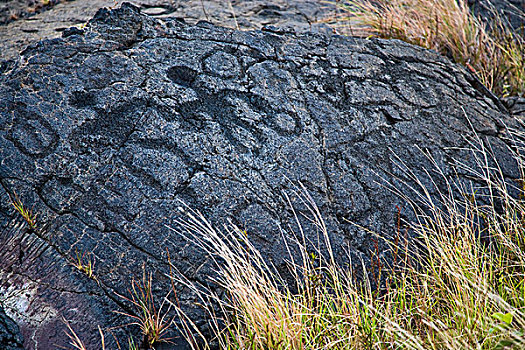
x: 107, y: 130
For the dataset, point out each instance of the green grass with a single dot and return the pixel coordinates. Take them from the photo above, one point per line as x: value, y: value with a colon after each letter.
x: 85, y: 263
x: 494, y: 53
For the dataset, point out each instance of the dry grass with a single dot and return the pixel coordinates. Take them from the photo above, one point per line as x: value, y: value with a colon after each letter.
x: 494, y: 53
x: 27, y: 214
x: 466, y: 293
x: 77, y: 343
x: 152, y: 318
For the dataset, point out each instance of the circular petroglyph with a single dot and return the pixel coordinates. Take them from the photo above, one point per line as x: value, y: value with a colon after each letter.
x: 34, y: 137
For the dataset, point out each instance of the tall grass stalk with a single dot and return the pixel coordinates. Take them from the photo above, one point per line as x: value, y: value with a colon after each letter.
x: 494, y: 53
x: 466, y: 292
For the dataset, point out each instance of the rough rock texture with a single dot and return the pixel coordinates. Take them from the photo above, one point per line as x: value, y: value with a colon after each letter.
x: 511, y: 10
x: 106, y: 130
x: 10, y: 338
x: 516, y: 105
x: 301, y: 15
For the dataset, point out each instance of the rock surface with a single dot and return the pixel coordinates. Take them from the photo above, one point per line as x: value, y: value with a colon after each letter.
x: 11, y: 10
x: 10, y: 338
x: 104, y: 131
x: 301, y: 15
x: 511, y: 10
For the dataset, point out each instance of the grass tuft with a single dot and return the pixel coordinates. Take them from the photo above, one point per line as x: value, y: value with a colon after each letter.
x: 466, y: 292
x: 27, y: 214
x: 84, y: 262
x: 152, y: 319
x: 494, y: 53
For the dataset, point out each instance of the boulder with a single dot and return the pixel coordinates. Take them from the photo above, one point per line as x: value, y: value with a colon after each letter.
x: 106, y: 131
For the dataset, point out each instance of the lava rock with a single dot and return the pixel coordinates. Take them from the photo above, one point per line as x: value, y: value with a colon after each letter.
x: 304, y: 15
x: 511, y: 11
x: 10, y: 337
x: 105, y: 133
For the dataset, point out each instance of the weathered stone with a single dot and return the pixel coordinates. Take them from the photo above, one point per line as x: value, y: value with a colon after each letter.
x: 516, y: 105
x: 107, y: 130
x: 302, y: 15
x: 512, y: 11
x: 10, y: 337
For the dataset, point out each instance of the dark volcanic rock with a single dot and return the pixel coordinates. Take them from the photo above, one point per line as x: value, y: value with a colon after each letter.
x: 106, y: 130
x: 301, y: 15
x: 10, y: 337
x: 512, y: 11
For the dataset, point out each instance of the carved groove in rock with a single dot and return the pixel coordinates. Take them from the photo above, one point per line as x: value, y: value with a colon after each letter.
x: 106, y: 130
